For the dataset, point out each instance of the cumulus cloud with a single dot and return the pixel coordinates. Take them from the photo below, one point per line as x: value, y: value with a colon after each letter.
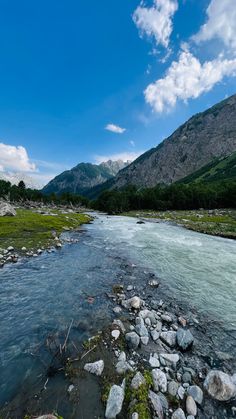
x: 15, y: 158
x: 187, y: 78
x: 221, y: 23
x: 156, y: 21
x: 115, y: 128
x: 125, y: 156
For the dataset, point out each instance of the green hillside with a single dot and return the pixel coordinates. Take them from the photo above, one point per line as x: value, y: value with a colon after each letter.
x: 218, y: 169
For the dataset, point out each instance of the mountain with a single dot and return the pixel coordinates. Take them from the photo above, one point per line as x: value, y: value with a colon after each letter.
x: 204, y: 137
x: 83, y: 177
x: 223, y: 168
x: 15, y: 178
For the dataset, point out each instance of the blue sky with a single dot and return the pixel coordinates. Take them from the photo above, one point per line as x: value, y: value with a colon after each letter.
x: 88, y: 81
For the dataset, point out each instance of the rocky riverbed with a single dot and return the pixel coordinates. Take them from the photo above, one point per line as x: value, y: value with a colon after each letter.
x: 151, y: 362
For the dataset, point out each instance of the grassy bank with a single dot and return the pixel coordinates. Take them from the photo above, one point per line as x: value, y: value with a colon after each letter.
x: 215, y: 222
x: 33, y: 230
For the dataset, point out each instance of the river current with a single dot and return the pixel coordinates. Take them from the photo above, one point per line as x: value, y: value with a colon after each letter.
x: 42, y: 295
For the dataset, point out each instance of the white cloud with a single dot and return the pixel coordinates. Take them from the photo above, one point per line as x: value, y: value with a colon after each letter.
x: 15, y: 158
x: 132, y: 143
x: 125, y: 156
x: 221, y: 23
x: 156, y: 21
x: 115, y: 128
x: 187, y: 78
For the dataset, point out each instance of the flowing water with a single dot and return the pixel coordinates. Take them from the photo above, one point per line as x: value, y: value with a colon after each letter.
x: 41, y: 296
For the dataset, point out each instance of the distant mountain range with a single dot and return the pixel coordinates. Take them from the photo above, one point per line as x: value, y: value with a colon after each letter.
x: 83, y: 177
x: 198, y: 150
x: 15, y: 178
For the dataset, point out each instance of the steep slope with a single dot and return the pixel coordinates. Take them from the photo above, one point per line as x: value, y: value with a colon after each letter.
x: 205, y: 136
x: 83, y: 177
x: 218, y: 169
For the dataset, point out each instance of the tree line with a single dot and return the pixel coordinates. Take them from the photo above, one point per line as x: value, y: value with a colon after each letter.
x: 172, y: 197
x: 19, y: 193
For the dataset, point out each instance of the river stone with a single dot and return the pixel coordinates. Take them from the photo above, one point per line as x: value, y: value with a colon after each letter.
x: 132, y: 340
x: 134, y: 302
x: 6, y: 210
x: 154, y: 361
x: 191, y: 406
x: 122, y: 356
x: 120, y: 324
x: 137, y: 380
x: 173, y: 388
x: 178, y: 414
x: 145, y: 340
x: 184, y: 339
x: 169, y: 338
x: 141, y: 330
x: 155, y: 335
x: 170, y: 359
x: 115, y: 401
x: 115, y: 334
x: 166, y: 318
x: 122, y: 367
x: 196, y: 393
x: 47, y: 417
x: 187, y: 378
x: 135, y: 415
x: 156, y: 404
x: 95, y: 367
x: 159, y: 380
x: 220, y: 386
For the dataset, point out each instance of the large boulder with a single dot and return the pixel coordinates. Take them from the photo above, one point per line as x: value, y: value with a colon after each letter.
x: 220, y: 386
x: 6, y: 210
x: 159, y: 380
x: 115, y: 401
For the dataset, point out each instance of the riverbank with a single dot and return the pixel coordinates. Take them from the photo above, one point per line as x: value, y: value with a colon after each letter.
x: 31, y: 231
x: 153, y: 360
x: 221, y: 223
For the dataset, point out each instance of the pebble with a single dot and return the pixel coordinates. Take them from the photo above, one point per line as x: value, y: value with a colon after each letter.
x: 178, y: 414
x: 115, y: 334
x: 170, y: 359
x: 95, y: 367
x: 137, y: 380
x: 154, y: 361
x: 155, y: 335
x: 173, y: 388
x: 169, y: 338
x: 159, y: 380
x: 184, y: 339
x: 191, y: 406
x: 181, y: 392
x: 196, y: 393
x: 132, y: 340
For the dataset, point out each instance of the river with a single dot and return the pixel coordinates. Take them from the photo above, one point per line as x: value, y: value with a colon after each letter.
x: 40, y: 296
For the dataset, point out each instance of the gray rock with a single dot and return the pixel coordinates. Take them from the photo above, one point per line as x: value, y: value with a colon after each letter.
x: 164, y: 401
x: 153, y: 283
x: 120, y: 324
x: 47, y: 417
x: 145, y: 340
x: 135, y: 415
x: 137, y: 380
x: 6, y: 210
x: 196, y: 393
x: 190, y: 417
x: 115, y: 401
x: 159, y: 380
x: 170, y: 359
x: 158, y: 326
x: 115, y: 334
x: 169, y: 338
x: 122, y: 356
x: 130, y: 288
x: 178, y: 414
x: 154, y: 361
x: 220, y: 386
x: 166, y: 318
x: 134, y: 302
x: 184, y: 339
x: 173, y: 388
x: 187, y: 378
x: 155, y: 335
x: 132, y: 340
x: 117, y: 309
x: 122, y: 367
x: 141, y: 330
x: 95, y: 367
x: 191, y: 406
x: 148, y: 322
x: 156, y: 404
x: 181, y: 392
